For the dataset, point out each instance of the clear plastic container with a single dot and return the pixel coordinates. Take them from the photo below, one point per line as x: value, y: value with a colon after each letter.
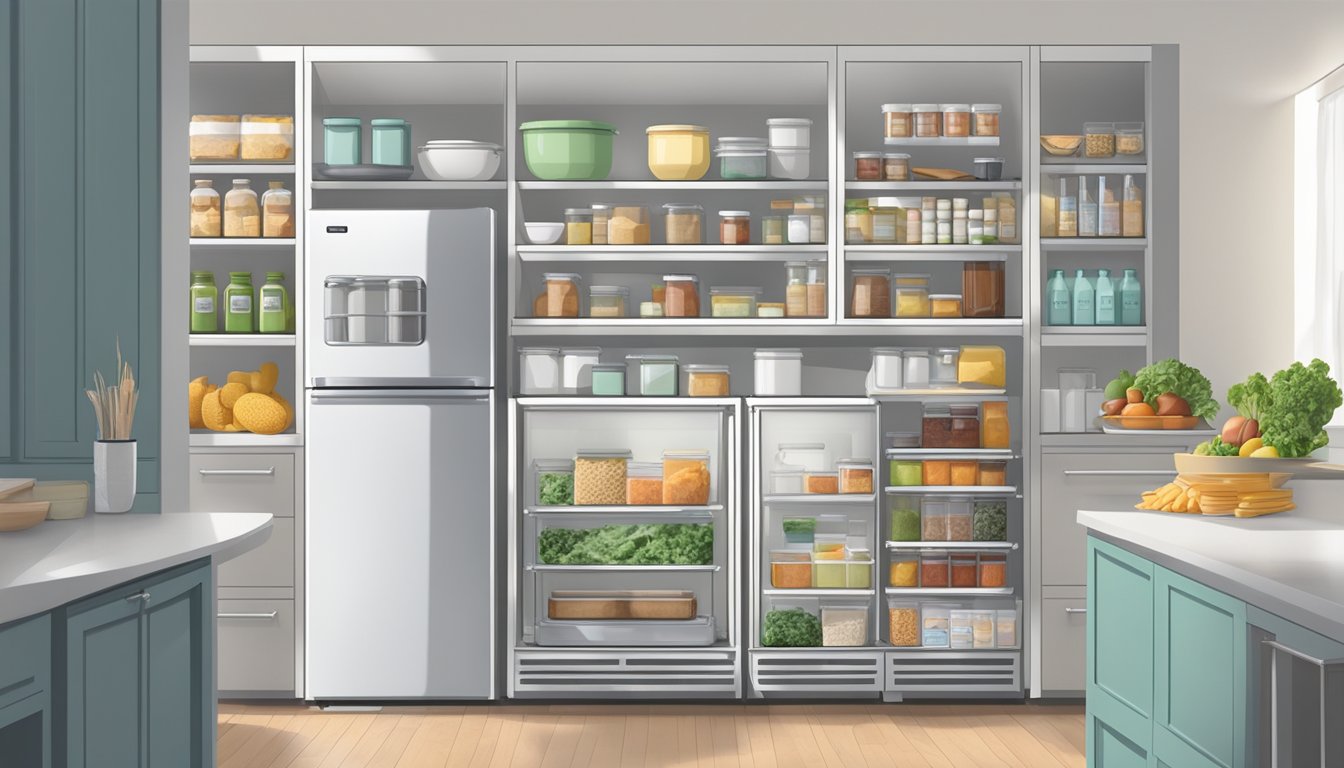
x: 956, y: 120
x: 790, y: 132
x: 856, y: 475
x: 1005, y: 628
x: 888, y: 372
x: 901, y: 439
x: 608, y: 300
x: 277, y: 211
x: 993, y: 570
x: 988, y: 169
x: 828, y: 542
x: 828, y: 571
x: 578, y: 226
x: 959, y: 518
x: 778, y: 372
x: 903, y: 629
x: 786, y: 482
x: 205, y: 210
x: 916, y: 364
x: 599, y: 477
x: 912, y: 295
x: 733, y: 301
x: 870, y: 293
x: 821, y: 482
x: 601, y: 218
x: 810, y: 457
x: 943, y: 367
x: 743, y: 163
x: 995, y: 429
x: 896, y: 166
x: 928, y: 121
x: 799, y: 229
x: 242, y: 211
x: 560, y: 297
x: 982, y: 366
x: 682, y: 224
x: 903, y: 510
x: 266, y: 138
x: 844, y: 626
x: 790, y: 569
x: 985, y: 119
x: 214, y: 137
x: 644, y: 483
x: 797, y: 528
x: 609, y: 380
x: 887, y: 219
x: 962, y: 570
x: 905, y: 472
x: 933, y: 518
x: 770, y: 309
x: 707, y: 380
x: 859, y: 568
x: 774, y: 230
x: 734, y: 227
x: 681, y: 296
x: 858, y: 222
x: 554, y: 481
x: 959, y: 629
x: 576, y: 368
x: 937, y: 472
x: 897, y: 121
x: 936, y: 623
x: 962, y: 472
x: 686, y: 478
x: 903, y: 572
x: 934, y: 569
x: 990, y: 520
x: 982, y: 629
x: 983, y: 289
x: 539, y: 371
x: 1129, y: 138
x: 992, y: 473
x: 789, y: 163
x: 945, y: 305
x: 868, y: 166
x: 1098, y: 139
x: 657, y: 374
x: 628, y: 225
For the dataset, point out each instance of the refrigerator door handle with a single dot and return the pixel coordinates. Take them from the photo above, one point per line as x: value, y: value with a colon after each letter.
x: 403, y: 396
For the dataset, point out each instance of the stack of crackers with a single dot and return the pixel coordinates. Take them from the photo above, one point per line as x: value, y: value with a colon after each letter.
x: 1240, y: 495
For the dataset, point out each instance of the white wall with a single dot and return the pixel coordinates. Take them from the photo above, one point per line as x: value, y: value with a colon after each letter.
x: 1242, y: 61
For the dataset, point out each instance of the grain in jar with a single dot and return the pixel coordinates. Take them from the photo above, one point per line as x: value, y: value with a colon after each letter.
x: 962, y: 568
x: 1098, y: 139
x: 928, y: 121
x: 858, y: 221
x: 897, y: 121
x: 957, y: 120
x: 607, y: 300
x: 734, y: 227
x: 682, y: 223
x: 856, y: 475
x: 937, y: 472
x: 870, y: 295
x: 992, y: 473
x: 277, y: 211
x: 933, y: 519
x: 681, y: 296
x: 795, y: 289
x: 904, y: 569
x: 912, y: 294
x: 578, y: 226
x: 896, y: 166
x: 214, y: 137
x: 868, y: 166
x: 242, y: 211
x: 644, y: 483
x: 960, y: 520
x: 933, y: 568
x: 903, y: 625
x: 707, y: 380
x: 790, y: 569
x: 561, y: 296
x: 686, y: 478
x: 986, y: 119
x: 205, y: 215
x: 844, y: 625
x: 963, y: 472
x: 993, y: 570
x: 945, y: 305
x: 821, y: 482
x: 1129, y: 138
x: 816, y: 289
x: 599, y: 477
x: 982, y: 629
x: 266, y: 137
x: 601, y: 218
x: 628, y: 225
x: 770, y: 309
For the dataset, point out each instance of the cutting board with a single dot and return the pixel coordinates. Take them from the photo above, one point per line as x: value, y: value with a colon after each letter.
x: 943, y: 174
x: 12, y: 485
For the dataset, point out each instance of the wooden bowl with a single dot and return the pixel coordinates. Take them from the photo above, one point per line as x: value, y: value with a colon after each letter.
x: 1152, y: 422
x: 1061, y: 144
x: 21, y: 515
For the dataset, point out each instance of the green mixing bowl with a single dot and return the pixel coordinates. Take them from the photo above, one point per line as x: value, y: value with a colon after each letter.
x: 568, y: 150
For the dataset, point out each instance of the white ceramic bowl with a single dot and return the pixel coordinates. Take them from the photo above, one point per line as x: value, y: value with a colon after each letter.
x: 544, y: 232
x: 459, y: 161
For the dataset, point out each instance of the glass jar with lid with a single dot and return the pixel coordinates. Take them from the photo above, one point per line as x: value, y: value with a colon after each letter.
x: 888, y: 219
x: 607, y: 300
x: 204, y: 294
x: 868, y: 166
x: 912, y: 295
x: 682, y: 223
x: 277, y: 211
x: 957, y: 120
x: 816, y: 289
x: 681, y: 296
x: 578, y: 226
x: 601, y: 217
x: 242, y: 211
x: 205, y: 216
x: 870, y: 295
x: 983, y: 289
x: 896, y: 166
x: 735, y: 227
x: 858, y: 221
x: 628, y: 225
x: 986, y: 119
x: 928, y: 121
x: 560, y: 297
x: 239, y: 299
x: 896, y: 121
x: 774, y: 230
x: 273, y: 305
x: 943, y: 367
x: 795, y: 289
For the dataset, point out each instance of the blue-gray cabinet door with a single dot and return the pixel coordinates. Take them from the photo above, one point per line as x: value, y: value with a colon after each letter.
x: 179, y: 663
x: 104, y: 691
x: 25, y: 732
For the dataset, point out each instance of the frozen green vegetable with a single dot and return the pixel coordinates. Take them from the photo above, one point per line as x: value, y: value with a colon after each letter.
x: 792, y: 628
x: 905, y: 525
x: 648, y: 544
x: 800, y: 525
x: 556, y: 489
x: 991, y: 521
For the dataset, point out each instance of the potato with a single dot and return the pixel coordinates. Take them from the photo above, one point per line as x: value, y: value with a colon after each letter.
x: 1134, y: 395
x: 1231, y: 433
x: 1114, y: 407
x: 1138, y: 409
x: 1172, y: 404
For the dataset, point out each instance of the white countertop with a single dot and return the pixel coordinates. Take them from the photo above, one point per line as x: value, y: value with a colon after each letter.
x: 1286, y: 564
x: 59, y: 561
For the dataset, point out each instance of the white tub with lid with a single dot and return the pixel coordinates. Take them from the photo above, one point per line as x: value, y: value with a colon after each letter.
x: 539, y: 371
x: 790, y: 163
x: 578, y: 362
x: 779, y: 372
x: 887, y: 371
x: 790, y: 132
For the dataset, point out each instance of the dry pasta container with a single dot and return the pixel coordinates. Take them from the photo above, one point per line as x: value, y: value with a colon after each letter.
x: 903, y: 629
x: 267, y: 137
x: 599, y: 477
x: 214, y: 137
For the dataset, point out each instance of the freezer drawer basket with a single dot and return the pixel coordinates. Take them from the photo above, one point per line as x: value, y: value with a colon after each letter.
x: 954, y: 673
x: 833, y: 673
x: 636, y: 674
x: 374, y: 310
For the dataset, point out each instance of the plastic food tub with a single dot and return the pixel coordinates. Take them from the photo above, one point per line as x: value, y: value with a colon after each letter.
x: 707, y: 380
x: 342, y: 141
x: 634, y: 605
x: 734, y: 301
x: 856, y: 475
x: 686, y: 477
x: 539, y: 371
x: 887, y: 368
x: 778, y: 372
x: 790, y: 132
x: 682, y: 224
x: 790, y: 163
x: 554, y: 482
x: 844, y: 625
x: 678, y: 152
x: 560, y: 150
x: 790, y: 569
x: 577, y: 368
x: 608, y: 300
x: 681, y: 296
x: 798, y: 529
x: 986, y: 119
x: 560, y: 297
x: 459, y: 160
x: 214, y: 137
x: 657, y: 374
x: 903, y: 624
x: 609, y: 380
x: 628, y: 225
x: 599, y: 477
x: 693, y: 632
x: 905, y: 517
x: 745, y: 163
x: 807, y: 456
x: 271, y: 138
x: 821, y: 482
x: 956, y: 120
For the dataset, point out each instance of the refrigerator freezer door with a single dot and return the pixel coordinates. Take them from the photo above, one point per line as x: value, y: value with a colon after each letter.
x: 400, y: 294
x: 400, y: 544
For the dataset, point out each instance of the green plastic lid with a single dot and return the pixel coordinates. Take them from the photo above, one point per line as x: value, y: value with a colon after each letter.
x: 341, y: 122
x: 587, y: 125
x: 275, y: 276
x: 387, y: 122
x: 241, y: 276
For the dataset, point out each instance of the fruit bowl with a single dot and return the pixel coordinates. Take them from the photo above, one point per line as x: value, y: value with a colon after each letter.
x: 1307, y: 468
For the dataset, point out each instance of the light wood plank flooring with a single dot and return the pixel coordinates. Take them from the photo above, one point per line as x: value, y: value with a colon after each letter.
x: 257, y: 735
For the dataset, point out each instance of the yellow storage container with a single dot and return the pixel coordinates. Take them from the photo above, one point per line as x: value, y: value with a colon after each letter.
x: 679, y: 152
x: 982, y: 367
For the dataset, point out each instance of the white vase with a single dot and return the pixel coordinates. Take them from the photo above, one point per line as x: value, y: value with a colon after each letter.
x: 113, y: 475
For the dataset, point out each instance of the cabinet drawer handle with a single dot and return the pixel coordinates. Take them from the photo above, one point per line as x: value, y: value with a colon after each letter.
x: 1116, y: 472
x: 1075, y: 610
x: 237, y: 472
x: 270, y: 615
x: 142, y: 597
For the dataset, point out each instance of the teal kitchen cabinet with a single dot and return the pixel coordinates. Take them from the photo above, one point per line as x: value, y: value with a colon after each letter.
x: 138, y: 675
x: 25, y: 693
x: 1120, y: 671
x: 80, y: 112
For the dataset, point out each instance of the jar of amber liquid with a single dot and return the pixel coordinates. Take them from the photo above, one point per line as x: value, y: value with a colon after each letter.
x: 681, y: 296
x: 870, y: 295
x: 957, y: 120
x: 735, y: 227
x: 928, y: 121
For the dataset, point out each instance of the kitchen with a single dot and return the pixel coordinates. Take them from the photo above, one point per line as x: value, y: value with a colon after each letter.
x: 827, y: 330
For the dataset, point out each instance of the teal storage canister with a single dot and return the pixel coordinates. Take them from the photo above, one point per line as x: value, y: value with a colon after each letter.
x: 568, y: 150
x: 609, y: 380
x: 391, y: 141
x: 342, y: 141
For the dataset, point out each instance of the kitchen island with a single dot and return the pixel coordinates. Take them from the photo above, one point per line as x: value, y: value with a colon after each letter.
x: 1188, y: 618
x: 107, y: 637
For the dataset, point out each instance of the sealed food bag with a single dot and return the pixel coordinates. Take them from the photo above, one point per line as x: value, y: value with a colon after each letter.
x: 982, y: 366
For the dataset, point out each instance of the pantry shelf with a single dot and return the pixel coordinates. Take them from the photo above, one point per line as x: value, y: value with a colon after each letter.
x: 979, y: 490
x: 705, y: 512
x: 241, y: 242
x: 902, y: 545
x: 242, y: 340
x: 948, y: 591
x: 243, y: 440
x: 977, y: 185
x: 935, y: 395
x: 932, y: 253
x: 968, y: 250
x: 819, y: 592
x: 945, y: 649
x: 951, y: 453
x: 421, y: 186
x: 942, y: 141
x: 1094, y: 243
x: 1005, y: 326
x: 1128, y: 336
x: 704, y: 326
x: 1092, y: 168
x: 674, y: 186
x: 818, y: 498
x: 626, y: 568
x: 251, y: 168
x: 670, y: 253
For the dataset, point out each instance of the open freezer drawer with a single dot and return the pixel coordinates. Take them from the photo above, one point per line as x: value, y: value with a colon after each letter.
x: 654, y: 633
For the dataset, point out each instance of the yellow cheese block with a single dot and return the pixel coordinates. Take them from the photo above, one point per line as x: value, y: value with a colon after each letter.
x: 982, y: 366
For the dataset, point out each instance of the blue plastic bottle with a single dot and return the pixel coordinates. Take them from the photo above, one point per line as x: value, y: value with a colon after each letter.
x: 1084, y: 300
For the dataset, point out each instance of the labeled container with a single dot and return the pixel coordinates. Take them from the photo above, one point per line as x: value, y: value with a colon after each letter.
x: 239, y: 304
x: 790, y: 569
x: 678, y: 152
x: 599, y: 477
x: 657, y: 374
x: 790, y: 132
x: 644, y: 483
x: 742, y: 163
x: 707, y: 380
x: 1098, y: 139
x: 560, y: 297
x: 916, y: 368
x: 821, y: 482
x: 266, y: 138
x: 734, y: 227
x: 904, y: 510
x: 277, y: 211
x: 985, y: 119
x: 205, y: 219
x: 204, y: 296
x: 629, y: 225
x: 686, y: 478
x: 681, y: 296
x: 956, y: 120
x: 962, y: 570
x: 936, y: 623
x: 682, y: 224
x: 912, y: 295
x: 928, y: 121
x: 959, y: 518
x: 609, y: 380
x: 990, y: 520
x: 905, y: 472
x: 988, y: 168
x: 888, y: 372
x: 214, y: 137
x: 856, y: 475
x: 868, y: 166
x: 903, y: 572
x: 844, y: 626
x: 568, y: 150
x: 342, y: 141
x: 798, y: 530
x: 943, y: 367
x: 554, y: 480
x: 607, y: 300
x: 870, y: 293
x: 945, y: 305
x: 790, y: 163
x: 983, y: 289
x: 933, y: 517
x: 934, y: 568
x: 576, y: 368
x: 959, y: 629
x: 897, y: 121
x: 273, y: 309
x: 733, y: 301
x: 1129, y: 138
x: 778, y: 372
x: 578, y: 226
x: 896, y: 166
x: 993, y: 570
x: 982, y: 366
x: 390, y: 141
x: 242, y: 211
x: 903, y: 630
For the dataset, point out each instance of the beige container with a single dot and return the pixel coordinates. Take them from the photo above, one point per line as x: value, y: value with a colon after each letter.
x: 242, y: 211
x: 69, y: 499
x: 267, y: 137
x: 205, y: 214
x: 277, y: 207
x: 214, y: 137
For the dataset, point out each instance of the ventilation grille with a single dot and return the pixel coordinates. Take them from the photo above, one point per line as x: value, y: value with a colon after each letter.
x: 954, y: 672
x: 645, y: 675
x: 830, y: 672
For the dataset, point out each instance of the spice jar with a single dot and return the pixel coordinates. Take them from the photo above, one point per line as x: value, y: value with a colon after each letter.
x: 601, y: 218
x: 578, y: 226
x: 816, y: 289
x: 204, y: 318
x: 928, y: 121
x: 735, y: 227
x: 871, y: 293
x: 858, y: 222
x: 945, y: 305
x: 205, y: 218
x: 912, y: 295
x: 242, y: 212
x: 682, y: 223
x: 795, y: 289
x: 277, y: 211
x: 986, y: 118
x: 868, y: 166
x: 1098, y: 139
x: 774, y: 230
x: 956, y: 120
x: 896, y: 166
x: 238, y: 304
x: 561, y: 297
x: 896, y: 121
x: 681, y: 296
x: 983, y: 289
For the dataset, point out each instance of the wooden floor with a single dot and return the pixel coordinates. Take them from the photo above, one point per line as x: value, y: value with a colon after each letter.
x: 760, y: 736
